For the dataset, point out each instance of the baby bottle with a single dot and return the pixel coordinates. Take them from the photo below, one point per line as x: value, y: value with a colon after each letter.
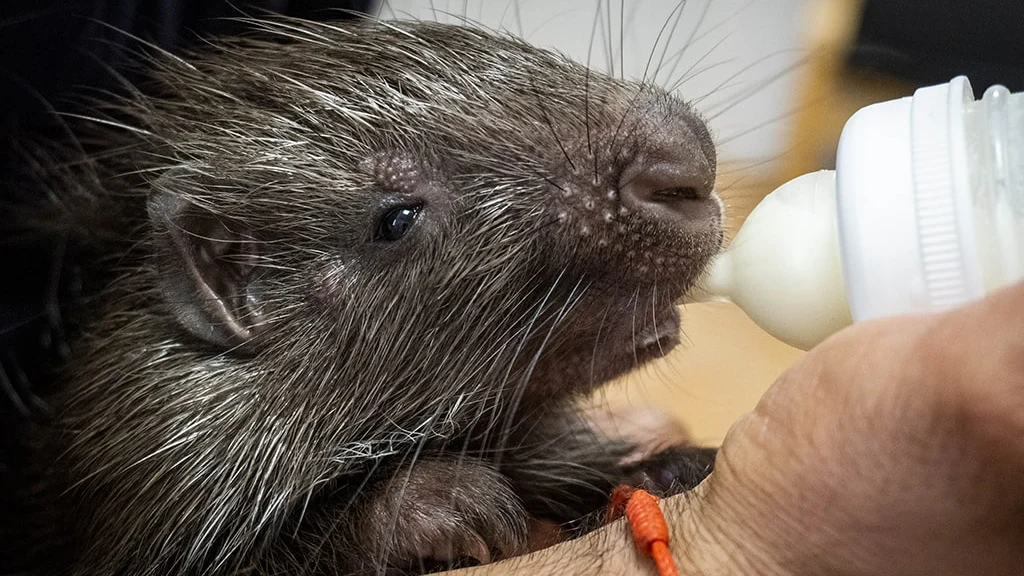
x: 924, y: 212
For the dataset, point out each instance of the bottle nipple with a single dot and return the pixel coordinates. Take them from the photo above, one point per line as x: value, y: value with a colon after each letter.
x: 783, y: 268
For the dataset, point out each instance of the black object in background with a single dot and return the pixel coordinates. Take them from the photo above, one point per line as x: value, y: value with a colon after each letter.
x: 51, y: 47
x: 930, y: 41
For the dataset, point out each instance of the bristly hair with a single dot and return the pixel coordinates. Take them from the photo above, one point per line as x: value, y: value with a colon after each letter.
x: 263, y: 166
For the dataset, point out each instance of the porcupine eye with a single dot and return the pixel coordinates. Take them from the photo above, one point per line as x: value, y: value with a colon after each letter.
x: 396, y: 223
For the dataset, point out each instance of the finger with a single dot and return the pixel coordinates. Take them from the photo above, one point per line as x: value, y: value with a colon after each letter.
x: 979, y: 350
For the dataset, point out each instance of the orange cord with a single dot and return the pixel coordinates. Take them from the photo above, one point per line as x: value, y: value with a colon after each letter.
x: 649, y: 527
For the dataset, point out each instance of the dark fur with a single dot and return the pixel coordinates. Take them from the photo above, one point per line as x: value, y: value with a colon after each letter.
x: 331, y: 404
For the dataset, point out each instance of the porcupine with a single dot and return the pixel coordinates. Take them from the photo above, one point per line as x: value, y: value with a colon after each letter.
x: 342, y: 284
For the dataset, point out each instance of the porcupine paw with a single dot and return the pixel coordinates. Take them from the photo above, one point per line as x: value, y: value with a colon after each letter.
x: 454, y: 515
x: 672, y: 471
x: 437, y: 544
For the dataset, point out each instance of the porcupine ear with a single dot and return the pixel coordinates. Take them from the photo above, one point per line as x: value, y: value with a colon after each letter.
x: 205, y: 269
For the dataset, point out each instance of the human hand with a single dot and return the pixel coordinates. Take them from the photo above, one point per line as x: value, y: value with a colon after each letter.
x: 896, y: 447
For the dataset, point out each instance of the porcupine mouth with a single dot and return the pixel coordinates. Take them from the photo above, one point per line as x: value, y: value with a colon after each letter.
x: 640, y: 345
x: 630, y: 319
x: 659, y: 339
x: 595, y: 358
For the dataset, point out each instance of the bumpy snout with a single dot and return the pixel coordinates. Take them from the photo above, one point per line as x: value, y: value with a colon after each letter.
x: 674, y: 191
x: 641, y: 202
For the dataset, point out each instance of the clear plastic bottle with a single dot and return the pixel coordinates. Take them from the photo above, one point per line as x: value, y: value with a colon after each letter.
x: 924, y: 212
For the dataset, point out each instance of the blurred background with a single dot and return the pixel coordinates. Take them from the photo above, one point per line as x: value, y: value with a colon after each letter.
x: 776, y: 79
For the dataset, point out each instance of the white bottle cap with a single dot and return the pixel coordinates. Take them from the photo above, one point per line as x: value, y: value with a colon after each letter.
x: 904, y: 204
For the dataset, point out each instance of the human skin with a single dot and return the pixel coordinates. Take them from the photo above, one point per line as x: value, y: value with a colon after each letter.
x: 895, y: 447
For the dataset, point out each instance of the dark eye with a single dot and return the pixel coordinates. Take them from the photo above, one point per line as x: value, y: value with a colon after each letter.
x: 396, y: 223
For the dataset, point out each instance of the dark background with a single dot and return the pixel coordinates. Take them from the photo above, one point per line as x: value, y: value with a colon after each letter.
x: 930, y: 41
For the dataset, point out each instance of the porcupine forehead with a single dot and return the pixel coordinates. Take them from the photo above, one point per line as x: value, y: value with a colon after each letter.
x: 361, y: 86
x: 314, y: 106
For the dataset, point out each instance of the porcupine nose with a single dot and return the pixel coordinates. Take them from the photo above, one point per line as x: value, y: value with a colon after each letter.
x: 673, y: 186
